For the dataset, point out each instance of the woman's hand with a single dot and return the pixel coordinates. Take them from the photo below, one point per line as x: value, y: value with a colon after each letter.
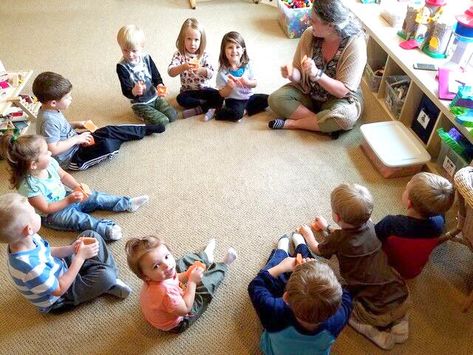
x: 308, y: 66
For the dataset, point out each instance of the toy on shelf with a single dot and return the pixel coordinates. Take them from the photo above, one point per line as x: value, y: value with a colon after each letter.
x: 462, y: 106
x: 419, y: 23
x: 294, y: 16
x: 463, y: 53
x: 440, y: 39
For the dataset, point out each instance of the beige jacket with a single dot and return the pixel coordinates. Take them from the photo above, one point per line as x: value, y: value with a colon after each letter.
x: 349, y: 68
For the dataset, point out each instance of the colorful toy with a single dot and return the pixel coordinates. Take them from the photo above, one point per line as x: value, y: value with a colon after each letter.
x: 298, y: 259
x: 294, y: 16
x: 90, y: 126
x: 462, y: 106
x: 194, y: 63
x: 463, y: 53
x: 162, y: 90
x: 85, y: 189
x: 86, y: 241
x: 196, y: 264
x: 440, y: 39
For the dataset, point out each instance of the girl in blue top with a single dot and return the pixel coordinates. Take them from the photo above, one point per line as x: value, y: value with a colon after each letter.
x: 56, y: 196
x: 236, y: 81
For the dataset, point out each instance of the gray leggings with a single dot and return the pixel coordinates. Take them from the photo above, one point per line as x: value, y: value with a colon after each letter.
x: 332, y: 115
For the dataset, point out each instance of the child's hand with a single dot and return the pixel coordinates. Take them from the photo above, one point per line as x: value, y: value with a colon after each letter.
x: 305, y: 231
x: 87, y: 251
x: 75, y: 196
x: 201, y: 71
x: 84, y: 138
x: 319, y: 224
x: 243, y: 82
x: 231, y: 82
x: 161, y: 90
x: 196, y: 275
x: 139, y: 88
x: 287, y: 265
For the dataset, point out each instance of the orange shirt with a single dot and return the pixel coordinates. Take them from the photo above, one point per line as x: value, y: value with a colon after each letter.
x: 158, y: 300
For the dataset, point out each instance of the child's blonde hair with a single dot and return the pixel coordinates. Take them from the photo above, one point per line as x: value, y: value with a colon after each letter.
x: 130, y: 37
x: 191, y: 23
x: 353, y: 203
x: 313, y: 292
x: 430, y: 194
x: 137, y: 248
x: 12, y: 216
x: 232, y: 37
x: 20, y: 152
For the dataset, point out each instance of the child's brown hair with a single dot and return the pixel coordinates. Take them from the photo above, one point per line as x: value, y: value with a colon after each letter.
x: 430, y: 194
x: 313, y: 292
x: 49, y: 86
x: 232, y: 37
x: 20, y: 152
x: 353, y: 203
x: 181, y: 38
x: 136, y: 248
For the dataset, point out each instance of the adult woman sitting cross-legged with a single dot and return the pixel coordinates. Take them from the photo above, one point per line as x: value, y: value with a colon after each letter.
x: 324, y: 91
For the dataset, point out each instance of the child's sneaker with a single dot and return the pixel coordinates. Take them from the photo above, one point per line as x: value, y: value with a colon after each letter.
x: 115, y: 232
x: 120, y: 289
x: 210, y: 249
x: 191, y: 112
x: 137, y: 202
x: 209, y: 114
x: 230, y: 257
x: 400, y: 330
x: 283, y: 243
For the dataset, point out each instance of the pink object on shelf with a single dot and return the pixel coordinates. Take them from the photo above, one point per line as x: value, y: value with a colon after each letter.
x: 409, y: 44
x: 442, y: 78
x: 4, y: 84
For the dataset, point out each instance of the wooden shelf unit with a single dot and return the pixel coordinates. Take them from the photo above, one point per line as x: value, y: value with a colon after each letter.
x: 383, y: 48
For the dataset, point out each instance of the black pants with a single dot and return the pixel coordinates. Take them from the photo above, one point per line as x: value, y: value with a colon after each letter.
x: 108, y: 140
x: 233, y: 109
x: 205, y: 98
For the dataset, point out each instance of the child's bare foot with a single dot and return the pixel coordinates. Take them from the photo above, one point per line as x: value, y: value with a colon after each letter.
x: 230, y: 257
x: 210, y: 249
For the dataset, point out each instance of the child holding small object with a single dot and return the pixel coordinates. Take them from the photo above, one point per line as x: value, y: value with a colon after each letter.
x: 38, y: 177
x: 167, y: 304
x: 140, y: 80
x: 55, y: 279
x: 381, y: 297
x: 236, y: 81
x: 302, y: 313
x: 72, y: 150
x: 191, y: 62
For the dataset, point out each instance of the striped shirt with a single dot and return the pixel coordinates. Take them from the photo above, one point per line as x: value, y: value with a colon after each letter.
x: 36, y: 273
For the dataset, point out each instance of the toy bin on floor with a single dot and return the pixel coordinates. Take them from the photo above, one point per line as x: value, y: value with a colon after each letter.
x: 393, y: 149
x: 449, y: 161
x: 294, y: 21
x: 396, y: 90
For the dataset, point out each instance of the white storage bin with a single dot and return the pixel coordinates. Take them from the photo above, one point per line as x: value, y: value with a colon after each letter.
x: 393, y: 149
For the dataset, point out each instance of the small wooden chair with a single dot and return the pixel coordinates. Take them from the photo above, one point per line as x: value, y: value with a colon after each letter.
x: 463, y: 233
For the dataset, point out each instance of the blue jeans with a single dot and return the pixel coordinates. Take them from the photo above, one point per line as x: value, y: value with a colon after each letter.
x: 96, y: 276
x: 76, y: 217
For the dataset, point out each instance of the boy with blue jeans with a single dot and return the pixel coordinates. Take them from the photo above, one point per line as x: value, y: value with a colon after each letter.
x: 140, y: 80
x: 76, y: 151
x: 301, y: 313
x: 54, y: 279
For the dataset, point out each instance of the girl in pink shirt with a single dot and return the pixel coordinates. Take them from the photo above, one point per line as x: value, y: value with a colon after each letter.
x: 174, y: 295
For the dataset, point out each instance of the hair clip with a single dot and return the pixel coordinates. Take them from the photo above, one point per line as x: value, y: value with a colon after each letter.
x: 15, y: 135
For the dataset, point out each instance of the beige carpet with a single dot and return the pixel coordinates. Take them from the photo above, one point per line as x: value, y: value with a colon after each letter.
x: 240, y: 183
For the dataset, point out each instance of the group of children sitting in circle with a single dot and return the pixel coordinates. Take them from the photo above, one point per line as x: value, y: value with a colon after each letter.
x: 301, y: 304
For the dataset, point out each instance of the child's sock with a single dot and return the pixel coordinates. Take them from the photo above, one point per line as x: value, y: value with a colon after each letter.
x: 120, y: 289
x: 283, y: 243
x: 192, y: 112
x: 154, y: 128
x: 278, y: 123
x: 384, y: 340
x: 400, y: 330
x: 115, y: 232
x: 209, y: 114
x: 230, y: 257
x: 137, y: 202
x: 297, y: 239
x: 210, y: 249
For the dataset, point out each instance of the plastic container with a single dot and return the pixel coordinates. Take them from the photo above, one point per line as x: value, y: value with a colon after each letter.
x: 372, y: 80
x: 449, y: 161
x: 293, y: 21
x: 396, y: 90
x: 393, y: 149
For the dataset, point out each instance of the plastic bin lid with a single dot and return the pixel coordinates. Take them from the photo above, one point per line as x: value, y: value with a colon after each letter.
x: 394, y: 144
